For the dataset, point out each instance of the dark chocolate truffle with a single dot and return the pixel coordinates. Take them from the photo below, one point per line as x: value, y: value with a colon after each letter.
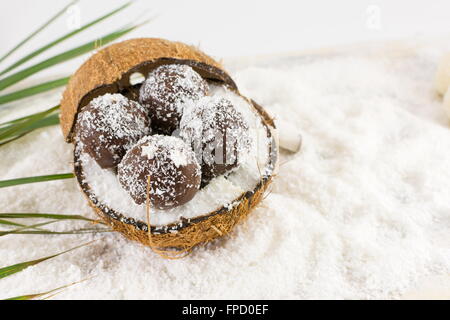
x: 218, y: 134
x: 173, y: 169
x: 109, y: 125
x: 165, y: 92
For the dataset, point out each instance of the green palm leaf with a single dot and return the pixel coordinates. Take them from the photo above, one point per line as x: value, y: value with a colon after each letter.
x: 19, y: 127
x: 9, y: 223
x: 44, y: 295
x: 46, y: 86
x: 11, y: 122
x: 15, y: 182
x: 10, y: 270
x: 77, y: 231
x: 12, y: 139
x: 25, y: 227
x: 30, y: 296
x: 46, y: 216
x: 75, y: 52
x: 13, y: 130
x: 29, y: 123
x: 48, y: 120
x: 65, y: 37
x: 45, y: 25
x: 45, y: 122
x: 15, y: 224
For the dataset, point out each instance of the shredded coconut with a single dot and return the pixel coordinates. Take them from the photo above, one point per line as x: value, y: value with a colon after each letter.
x: 361, y: 212
x: 148, y: 151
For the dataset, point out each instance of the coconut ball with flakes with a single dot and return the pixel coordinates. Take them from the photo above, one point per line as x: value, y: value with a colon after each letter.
x: 110, y: 125
x: 168, y: 164
x: 218, y: 133
x: 166, y: 90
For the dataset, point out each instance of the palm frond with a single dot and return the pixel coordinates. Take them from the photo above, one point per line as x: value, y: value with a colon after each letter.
x: 70, y: 54
x: 46, y: 216
x: 50, y: 119
x: 12, y: 139
x: 43, y: 295
x: 15, y: 224
x: 9, y: 223
x: 30, y: 296
x: 43, y: 87
x: 47, y: 294
x: 49, y: 232
x: 10, y: 270
x: 10, y: 122
x: 61, y: 39
x: 30, y: 123
x: 45, y: 122
x: 19, y: 181
x: 35, y: 228
x: 25, y: 227
x: 32, y: 35
x: 13, y: 132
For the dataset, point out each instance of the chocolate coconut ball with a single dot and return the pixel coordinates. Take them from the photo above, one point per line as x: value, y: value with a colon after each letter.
x: 173, y: 169
x: 218, y: 134
x: 110, y: 125
x: 165, y: 92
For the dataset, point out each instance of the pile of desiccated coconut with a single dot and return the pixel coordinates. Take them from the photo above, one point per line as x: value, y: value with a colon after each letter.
x: 361, y: 212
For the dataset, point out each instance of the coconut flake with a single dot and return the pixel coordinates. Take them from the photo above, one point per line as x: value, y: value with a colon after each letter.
x: 148, y: 151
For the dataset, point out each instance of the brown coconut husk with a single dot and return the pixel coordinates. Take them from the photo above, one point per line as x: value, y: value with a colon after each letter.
x: 109, y: 71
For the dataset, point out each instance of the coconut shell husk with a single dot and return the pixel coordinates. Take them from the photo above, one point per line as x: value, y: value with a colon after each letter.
x: 109, y: 71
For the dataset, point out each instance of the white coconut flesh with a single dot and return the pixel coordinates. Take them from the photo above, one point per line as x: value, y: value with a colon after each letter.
x: 222, y: 191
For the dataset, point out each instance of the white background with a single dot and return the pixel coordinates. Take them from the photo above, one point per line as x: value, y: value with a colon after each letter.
x: 222, y: 28
x: 239, y: 27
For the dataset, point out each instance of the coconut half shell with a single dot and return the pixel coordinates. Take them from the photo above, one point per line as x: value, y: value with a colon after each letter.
x: 109, y: 71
